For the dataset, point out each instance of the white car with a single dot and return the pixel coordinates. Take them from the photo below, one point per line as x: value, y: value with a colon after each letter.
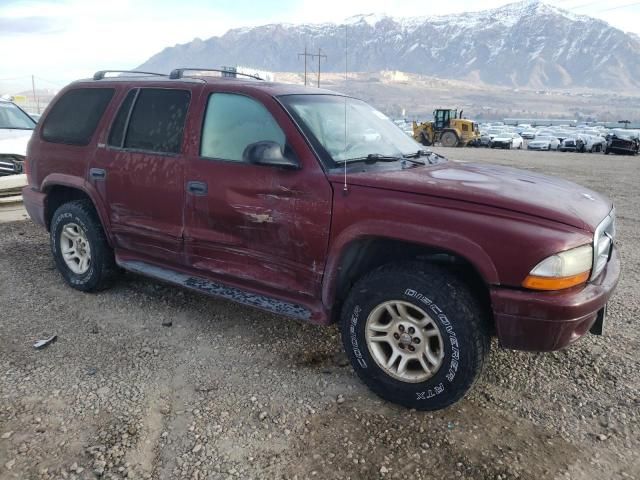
x: 507, y: 140
x: 16, y: 127
x: 544, y: 143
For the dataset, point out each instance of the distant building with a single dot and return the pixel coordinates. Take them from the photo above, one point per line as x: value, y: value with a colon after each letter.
x: 263, y: 74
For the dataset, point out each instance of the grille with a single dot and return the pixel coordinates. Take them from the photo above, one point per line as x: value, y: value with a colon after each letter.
x: 10, y: 165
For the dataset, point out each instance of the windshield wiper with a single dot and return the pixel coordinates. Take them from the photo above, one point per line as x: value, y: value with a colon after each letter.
x: 372, y: 158
x: 378, y: 157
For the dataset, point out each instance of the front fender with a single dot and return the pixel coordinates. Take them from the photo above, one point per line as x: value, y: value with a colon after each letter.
x: 428, y: 236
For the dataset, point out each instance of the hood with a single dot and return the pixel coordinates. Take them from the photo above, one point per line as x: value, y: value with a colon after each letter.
x: 14, y: 141
x: 508, y: 188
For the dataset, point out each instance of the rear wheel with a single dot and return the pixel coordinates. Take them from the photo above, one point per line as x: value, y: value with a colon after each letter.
x: 449, y: 139
x: 415, y: 335
x: 79, y: 246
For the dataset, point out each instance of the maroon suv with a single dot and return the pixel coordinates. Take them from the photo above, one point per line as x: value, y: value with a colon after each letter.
x: 314, y: 205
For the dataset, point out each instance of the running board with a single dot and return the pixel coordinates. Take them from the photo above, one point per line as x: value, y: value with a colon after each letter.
x: 217, y: 290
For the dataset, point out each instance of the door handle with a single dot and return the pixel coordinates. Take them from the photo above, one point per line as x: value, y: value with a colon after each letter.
x: 197, y: 188
x: 98, y: 173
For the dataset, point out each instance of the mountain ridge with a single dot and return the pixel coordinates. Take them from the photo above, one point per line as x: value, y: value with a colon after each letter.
x: 523, y: 44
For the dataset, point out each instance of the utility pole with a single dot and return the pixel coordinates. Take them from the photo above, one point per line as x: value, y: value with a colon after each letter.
x: 33, y: 88
x: 305, y: 55
x: 318, y: 55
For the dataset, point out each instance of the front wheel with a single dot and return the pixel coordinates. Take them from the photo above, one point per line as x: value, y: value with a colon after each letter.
x: 415, y: 335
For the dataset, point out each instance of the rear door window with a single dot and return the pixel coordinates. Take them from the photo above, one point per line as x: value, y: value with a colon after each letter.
x: 74, y: 117
x: 157, y: 120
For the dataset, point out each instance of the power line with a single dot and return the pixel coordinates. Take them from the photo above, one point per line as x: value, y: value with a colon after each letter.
x: 620, y: 6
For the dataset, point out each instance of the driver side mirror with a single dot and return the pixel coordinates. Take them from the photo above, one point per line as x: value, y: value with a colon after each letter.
x: 268, y: 153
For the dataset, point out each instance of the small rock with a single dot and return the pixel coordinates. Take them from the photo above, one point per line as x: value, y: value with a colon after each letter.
x: 9, y: 465
x: 6, y: 435
x: 98, y: 467
x: 197, y: 448
x: 602, y: 437
x: 167, y: 323
x: 340, y: 399
x: 262, y: 415
x: 384, y: 470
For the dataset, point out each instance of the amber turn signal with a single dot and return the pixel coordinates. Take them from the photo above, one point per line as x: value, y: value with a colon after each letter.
x: 558, y: 283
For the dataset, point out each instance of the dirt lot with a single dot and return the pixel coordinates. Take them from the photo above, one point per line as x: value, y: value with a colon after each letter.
x: 231, y: 392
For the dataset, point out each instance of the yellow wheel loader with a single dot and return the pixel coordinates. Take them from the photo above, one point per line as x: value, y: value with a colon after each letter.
x: 447, y: 128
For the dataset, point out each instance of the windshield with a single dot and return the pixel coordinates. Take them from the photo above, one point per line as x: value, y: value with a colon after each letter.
x: 12, y: 117
x: 348, y: 129
x: 543, y: 139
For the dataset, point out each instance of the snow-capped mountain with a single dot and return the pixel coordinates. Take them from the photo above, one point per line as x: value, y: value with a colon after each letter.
x: 528, y: 43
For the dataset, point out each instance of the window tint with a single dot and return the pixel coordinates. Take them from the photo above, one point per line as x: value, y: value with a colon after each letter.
x: 120, y: 123
x: 75, y: 116
x: 234, y: 121
x: 157, y: 120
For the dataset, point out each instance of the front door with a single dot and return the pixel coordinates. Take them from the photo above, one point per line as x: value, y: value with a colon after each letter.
x: 140, y: 172
x: 256, y: 225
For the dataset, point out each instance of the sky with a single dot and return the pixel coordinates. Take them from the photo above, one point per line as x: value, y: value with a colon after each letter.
x: 58, y: 41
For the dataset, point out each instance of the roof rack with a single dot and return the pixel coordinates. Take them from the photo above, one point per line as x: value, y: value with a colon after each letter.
x: 228, y: 72
x: 102, y: 73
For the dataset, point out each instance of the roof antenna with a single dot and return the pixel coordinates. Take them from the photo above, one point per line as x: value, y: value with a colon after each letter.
x: 346, y: 70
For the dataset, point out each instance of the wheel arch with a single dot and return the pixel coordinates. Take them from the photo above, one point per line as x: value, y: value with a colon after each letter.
x: 61, y: 189
x: 362, y: 254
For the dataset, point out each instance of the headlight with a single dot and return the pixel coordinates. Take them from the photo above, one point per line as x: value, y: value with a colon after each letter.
x: 562, y: 270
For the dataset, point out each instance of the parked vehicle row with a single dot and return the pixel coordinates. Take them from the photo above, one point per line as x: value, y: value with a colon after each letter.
x: 580, y: 139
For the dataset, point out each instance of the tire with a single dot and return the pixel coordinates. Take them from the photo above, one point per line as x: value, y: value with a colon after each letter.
x: 449, y: 139
x: 78, y: 219
x: 448, y: 305
x: 424, y: 140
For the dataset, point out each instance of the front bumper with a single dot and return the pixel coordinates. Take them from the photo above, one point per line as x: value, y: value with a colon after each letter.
x: 34, y: 203
x: 545, y: 321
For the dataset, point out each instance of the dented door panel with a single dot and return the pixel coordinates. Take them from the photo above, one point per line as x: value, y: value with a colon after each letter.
x: 260, y: 224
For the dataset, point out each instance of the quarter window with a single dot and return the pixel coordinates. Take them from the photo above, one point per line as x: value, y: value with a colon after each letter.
x: 116, y: 137
x: 75, y: 116
x: 157, y: 120
x: 232, y: 122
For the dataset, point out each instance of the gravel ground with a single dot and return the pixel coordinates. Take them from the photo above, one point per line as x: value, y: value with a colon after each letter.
x: 149, y: 381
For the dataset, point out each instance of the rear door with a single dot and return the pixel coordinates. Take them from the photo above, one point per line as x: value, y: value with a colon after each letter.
x: 257, y: 225
x: 140, y: 172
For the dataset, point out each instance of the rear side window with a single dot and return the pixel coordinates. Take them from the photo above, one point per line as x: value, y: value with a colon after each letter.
x: 232, y: 122
x: 75, y: 116
x: 116, y: 136
x: 157, y: 121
